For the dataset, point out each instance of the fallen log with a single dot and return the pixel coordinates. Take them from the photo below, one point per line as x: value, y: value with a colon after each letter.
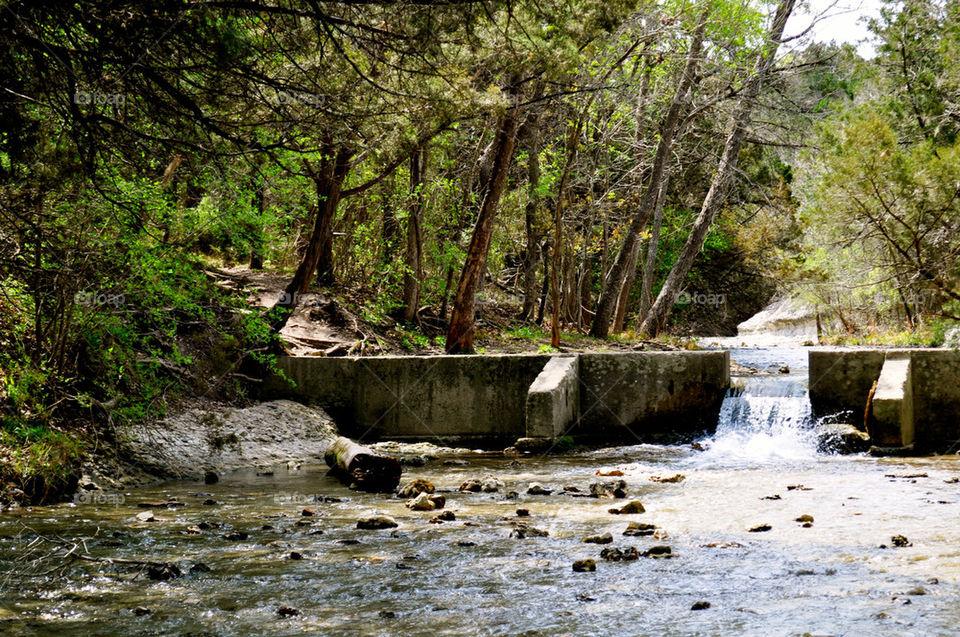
x: 362, y: 468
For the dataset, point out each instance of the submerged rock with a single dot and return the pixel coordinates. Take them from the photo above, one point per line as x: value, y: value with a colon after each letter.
x: 700, y: 606
x: 672, y: 479
x: 536, y: 488
x: 585, y: 566
x: 524, y: 531
x: 377, y: 522
x: 658, y: 551
x: 760, y: 528
x: 533, y: 445
x: 287, y: 611
x: 841, y: 439
x: 446, y: 516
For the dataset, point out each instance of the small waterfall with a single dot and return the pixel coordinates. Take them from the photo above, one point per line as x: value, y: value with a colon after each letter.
x: 768, y: 419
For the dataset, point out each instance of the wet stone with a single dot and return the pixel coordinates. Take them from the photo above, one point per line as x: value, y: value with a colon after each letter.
x: 639, y: 529
x: 377, y: 522
x: 287, y: 611
x: 536, y: 488
x: 700, y: 606
x: 900, y: 541
x: 760, y: 528
x: 523, y: 513
x: 415, y: 487
x: 524, y: 531
x: 236, y: 536
x: 141, y: 611
x: 658, y: 551
x: 627, y: 554
x: 210, y: 477
x: 295, y: 555
x: 585, y: 566
x: 805, y: 519
x: 608, y: 489
x: 606, y: 538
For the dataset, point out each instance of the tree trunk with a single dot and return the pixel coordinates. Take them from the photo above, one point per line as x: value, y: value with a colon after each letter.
x: 256, y: 250
x: 329, y: 184
x: 655, y: 320
x: 547, y: 258
x: 362, y: 468
x: 390, y: 230
x: 650, y: 264
x: 626, y: 258
x: 532, y: 251
x: 624, y: 299
x: 413, y: 258
x: 460, y: 332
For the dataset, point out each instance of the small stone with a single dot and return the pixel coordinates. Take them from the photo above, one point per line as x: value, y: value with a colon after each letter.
x: 608, y: 488
x: 415, y: 487
x: 466, y: 544
x: 377, y: 522
x: 387, y: 614
x: 308, y: 513
x: 446, y: 516
x: 628, y: 554
x: 672, y: 479
x: 163, y: 572
x: 933, y: 581
x: 490, y: 484
x: 775, y: 496
x: 439, y: 501
x: 585, y: 566
x: 916, y: 591
x: 199, y: 567
x: 523, y: 513
x: 210, y: 477
x: 287, y: 611
x: 629, y: 508
x: 807, y: 525
x: 510, y: 452
x: 146, y: 516
x: 658, y: 551
x: 784, y: 369
x: 700, y: 606
x: 533, y: 445
x: 760, y: 528
x: 900, y: 541
x: 614, y: 473
x: 210, y: 502
x: 140, y: 611
x: 524, y: 531
x: 421, y: 503
x: 193, y: 530
x: 413, y: 461
x: 236, y: 536
x: 470, y: 485
x: 639, y: 529
x: 264, y: 474
x: 536, y: 488
x: 294, y: 555
x: 805, y: 518
x: 606, y: 538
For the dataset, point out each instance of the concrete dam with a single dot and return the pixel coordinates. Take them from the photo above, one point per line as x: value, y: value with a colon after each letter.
x: 591, y: 396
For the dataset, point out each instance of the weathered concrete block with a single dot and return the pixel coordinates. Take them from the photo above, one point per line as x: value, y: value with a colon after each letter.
x: 651, y: 392
x: 936, y: 398
x: 553, y: 400
x: 891, y: 410
x: 840, y: 380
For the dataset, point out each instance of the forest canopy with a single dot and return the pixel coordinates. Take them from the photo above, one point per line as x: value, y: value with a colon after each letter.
x: 578, y: 166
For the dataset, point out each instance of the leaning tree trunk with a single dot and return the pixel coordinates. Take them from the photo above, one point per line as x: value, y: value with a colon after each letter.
x: 656, y: 319
x: 362, y: 468
x: 329, y: 185
x: 626, y: 258
x: 460, y: 332
x: 413, y: 258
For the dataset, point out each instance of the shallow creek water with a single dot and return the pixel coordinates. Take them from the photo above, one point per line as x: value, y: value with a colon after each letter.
x: 468, y: 576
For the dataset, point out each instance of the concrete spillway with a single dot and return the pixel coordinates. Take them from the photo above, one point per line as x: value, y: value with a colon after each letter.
x: 502, y: 397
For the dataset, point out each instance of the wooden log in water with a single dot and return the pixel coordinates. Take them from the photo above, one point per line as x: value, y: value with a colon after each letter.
x: 361, y: 467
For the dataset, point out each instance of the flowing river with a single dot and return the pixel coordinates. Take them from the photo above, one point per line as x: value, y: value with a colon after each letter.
x: 840, y: 575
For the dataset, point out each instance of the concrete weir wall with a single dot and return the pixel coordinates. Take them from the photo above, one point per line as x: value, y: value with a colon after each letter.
x: 916, y: 401
x: 505, y: 397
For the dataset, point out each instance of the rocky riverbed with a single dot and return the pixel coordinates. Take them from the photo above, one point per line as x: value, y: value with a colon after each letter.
x: 512, y: 545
